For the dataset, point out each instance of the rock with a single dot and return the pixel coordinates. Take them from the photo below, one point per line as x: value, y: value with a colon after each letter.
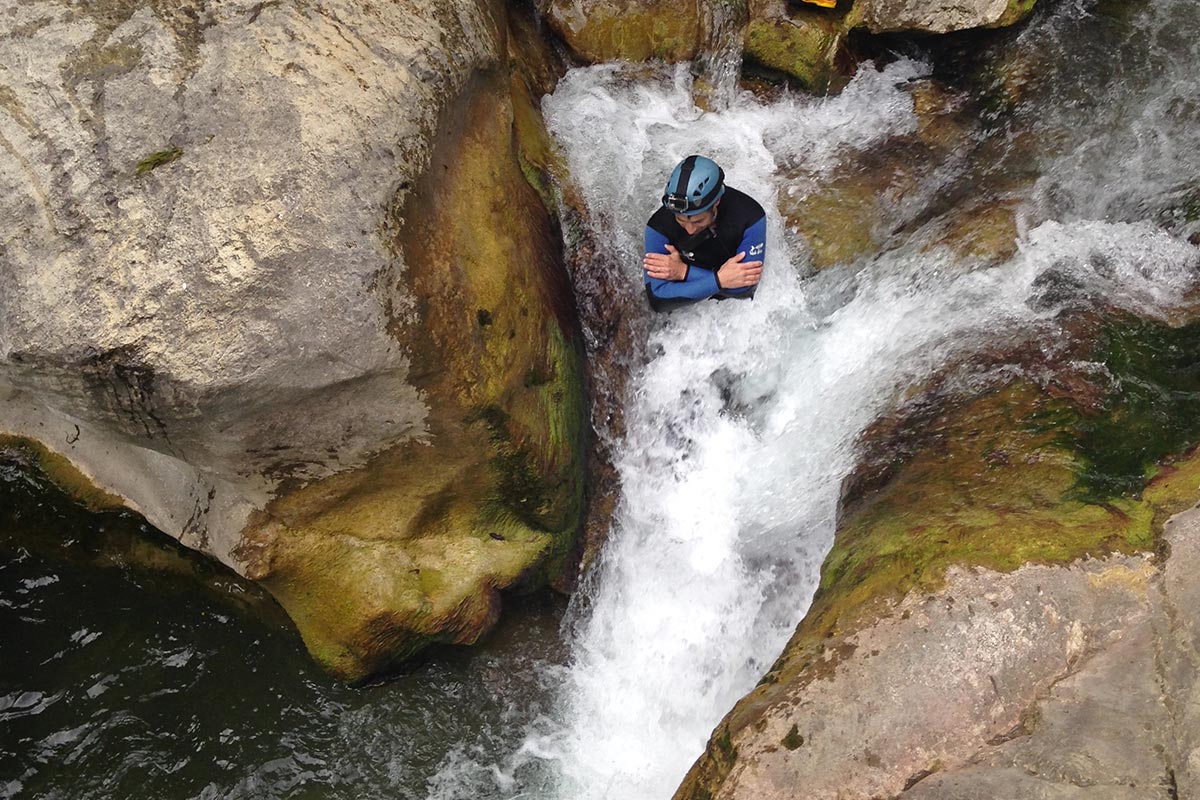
x: 804, y: 43
x: 941, y: 16
x: 886, y: 193
x: 629, y: 30
x: 931, y: 591
x: 1102, y: 731
x: 244, y: 292
x: 926, y: 688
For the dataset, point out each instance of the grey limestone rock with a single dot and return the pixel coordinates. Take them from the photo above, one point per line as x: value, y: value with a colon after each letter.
x: 207, y: 297
x: 1049, y: 683
x: 216, y: 323
x: 940, y: 16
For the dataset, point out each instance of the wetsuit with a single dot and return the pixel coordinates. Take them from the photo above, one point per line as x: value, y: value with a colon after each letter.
x: 741, y: 227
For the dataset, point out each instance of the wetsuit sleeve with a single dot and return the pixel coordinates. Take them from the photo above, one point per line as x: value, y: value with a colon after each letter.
x: 754, y: 245
x: 697, y: 284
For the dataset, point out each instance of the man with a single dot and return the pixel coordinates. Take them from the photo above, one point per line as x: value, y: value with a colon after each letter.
x: 707, y: 240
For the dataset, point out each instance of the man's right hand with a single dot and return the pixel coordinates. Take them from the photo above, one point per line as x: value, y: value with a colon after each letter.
x: 667, y: 266
x: 738, y: 274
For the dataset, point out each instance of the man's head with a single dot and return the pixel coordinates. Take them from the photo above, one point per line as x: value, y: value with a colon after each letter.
x: 693, y: 191
x: 698, y: 222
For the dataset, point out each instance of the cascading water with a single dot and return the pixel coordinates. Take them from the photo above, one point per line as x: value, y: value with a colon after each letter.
x: 720, y: 63
x: 742, y: 426
x: 739, y: 430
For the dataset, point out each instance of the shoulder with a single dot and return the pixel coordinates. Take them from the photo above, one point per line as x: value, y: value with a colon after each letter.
x: 741, y: 207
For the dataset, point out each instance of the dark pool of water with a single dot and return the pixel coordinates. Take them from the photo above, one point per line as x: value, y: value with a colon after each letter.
x: 130, y: 669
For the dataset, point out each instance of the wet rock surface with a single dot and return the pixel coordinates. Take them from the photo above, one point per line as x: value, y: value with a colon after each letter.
x: 218, y: 304
x: 803, y: 42
x: 880, y: 16
x: 1046, y: 682
x: 1007, y: 683
x: 607, y: 30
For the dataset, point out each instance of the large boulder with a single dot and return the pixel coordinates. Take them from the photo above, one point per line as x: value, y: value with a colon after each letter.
x: 632, y: 30
x: 996, y: 574
x: 940, y: 16
x: 808, y: 43
x: 271, y: 275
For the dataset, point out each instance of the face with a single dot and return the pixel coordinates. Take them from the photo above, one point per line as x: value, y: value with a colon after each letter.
x: 698, y: 222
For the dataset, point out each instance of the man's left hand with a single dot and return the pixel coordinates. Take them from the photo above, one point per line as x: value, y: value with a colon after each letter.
x: 665, y: 267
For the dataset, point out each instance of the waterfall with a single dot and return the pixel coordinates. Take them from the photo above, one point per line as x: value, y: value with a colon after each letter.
x: 743, y: 422
x: 719, y: 65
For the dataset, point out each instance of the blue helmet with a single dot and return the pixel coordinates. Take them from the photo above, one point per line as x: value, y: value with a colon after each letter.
x: 695, y: 185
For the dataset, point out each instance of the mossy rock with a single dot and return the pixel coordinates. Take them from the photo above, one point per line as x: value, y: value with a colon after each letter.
x: 807, y: 45
x: 886, y: 193
x: 58, y: 470
x: 415, y: 546
x: 628, y: 30
x: 1030, y: 475
x: 986, y: 233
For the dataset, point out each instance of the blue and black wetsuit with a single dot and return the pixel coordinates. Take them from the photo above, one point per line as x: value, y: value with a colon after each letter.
x: 741, y: 227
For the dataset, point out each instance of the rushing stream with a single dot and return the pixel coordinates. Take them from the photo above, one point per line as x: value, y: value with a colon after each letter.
x: 740, y: 428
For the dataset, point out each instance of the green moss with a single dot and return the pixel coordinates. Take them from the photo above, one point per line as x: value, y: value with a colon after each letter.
x: 808, y: 47
x: 520, y: 489
x: 59, y: 470
x: 1016, y: 11
x: 156, y: 160
x: 1153, y: 410
x: 793, y: 740
x: 724, y: 744
x: 536, y: 376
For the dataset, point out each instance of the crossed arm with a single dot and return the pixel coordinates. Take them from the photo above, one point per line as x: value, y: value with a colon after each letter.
x: 669, y: 279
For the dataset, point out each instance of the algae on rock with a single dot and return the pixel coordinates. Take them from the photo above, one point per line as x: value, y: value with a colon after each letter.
x: 630, y: 30
x: 806, y: 44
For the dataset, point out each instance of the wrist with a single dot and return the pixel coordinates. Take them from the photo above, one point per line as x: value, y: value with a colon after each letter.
x: 717, y: 276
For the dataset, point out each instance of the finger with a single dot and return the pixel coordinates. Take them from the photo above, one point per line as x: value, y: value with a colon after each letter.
x: 670, y: 248
x: 752, y: 264
x: 738, y: 258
